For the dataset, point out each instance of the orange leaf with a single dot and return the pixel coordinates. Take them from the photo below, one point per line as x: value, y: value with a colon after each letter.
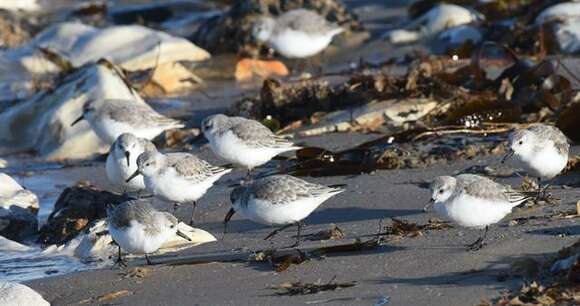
x: 248, y: 69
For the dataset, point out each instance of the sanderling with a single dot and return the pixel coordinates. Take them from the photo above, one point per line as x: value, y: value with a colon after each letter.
x: 112, y: 117
x: 242, y: 141
x: 177, y: 177
x: 122, y: 161
x: 542, y: 150
x: 279, y: 200
x: 138, y: 228
x: 298, y: 33
x: 473, y: 201
x: 15, y: 294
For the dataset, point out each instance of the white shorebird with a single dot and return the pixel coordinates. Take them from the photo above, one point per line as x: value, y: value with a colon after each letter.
x: 243, y: 142
x: 122, y: 161
x: 112, y: 117
x: 138, y: 228
x: 298, y: 33
x: 542, y: 150
x: 279, y: 200
x: 177, y: 177
x: 473, y: 201
x: 15, y: 294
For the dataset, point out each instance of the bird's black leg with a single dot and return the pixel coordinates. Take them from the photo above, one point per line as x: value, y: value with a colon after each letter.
x: 147, y: 259
x: 192, y: 213
x: 120, y: 260
x: 272, y: 234
x: 299, y: 226
x: 479, y: 243
x: 249, y: 175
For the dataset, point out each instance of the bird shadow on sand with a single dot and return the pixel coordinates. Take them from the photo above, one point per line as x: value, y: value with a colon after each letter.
x: 324, y: 216
x: 506, y: 272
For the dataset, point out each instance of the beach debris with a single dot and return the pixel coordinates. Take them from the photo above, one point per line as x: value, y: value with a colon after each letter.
x: 403, y: 228
x: 248, y: 69
x: 137, y: 272
x: 107, y: 297
x: 552, y: 281
x: 19, y: 294
x: 177, y: 139
x: 438, y: 19
x: 18, y: 210
x: 231, y: 31
x: 334, y: 233
x: 300, y: 288
x: 75, y: 209
x: 280, y: 261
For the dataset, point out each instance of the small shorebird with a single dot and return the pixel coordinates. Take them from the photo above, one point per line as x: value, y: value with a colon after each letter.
x: 112, y: 117
x: 542, y: 150
x: 122, y: 161
x: 177, y: 177
x: 298, y: 33
x: 473, y: 201
x: 138, y: 228
x: 280, y: 200
x: 243, y: 142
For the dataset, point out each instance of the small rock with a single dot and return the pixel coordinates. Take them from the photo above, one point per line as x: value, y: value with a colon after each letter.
x: 74, y: 210
x: 18, y: 209
x: 14, y: 294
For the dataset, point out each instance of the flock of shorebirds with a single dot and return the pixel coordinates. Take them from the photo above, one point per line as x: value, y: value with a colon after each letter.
x: 134, y: 164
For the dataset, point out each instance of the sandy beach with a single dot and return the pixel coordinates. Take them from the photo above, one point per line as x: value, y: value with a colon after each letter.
x: 432, y: 269
x: 444, y: 120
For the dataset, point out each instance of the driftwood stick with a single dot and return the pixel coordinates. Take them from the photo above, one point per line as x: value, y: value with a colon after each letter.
x: 194, y: 259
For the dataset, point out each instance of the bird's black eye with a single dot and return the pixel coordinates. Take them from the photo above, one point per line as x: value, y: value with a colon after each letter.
x: 440, y: 190
x: 520, y: 142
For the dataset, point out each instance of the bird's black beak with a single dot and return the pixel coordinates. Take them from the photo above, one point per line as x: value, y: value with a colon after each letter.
x: 227, y: 219
x: 429, y: 205
x: 133, y: 176
x: 182, y: 235
x: 127, y: 154
x: 508, y: 155
x: 77, y: 120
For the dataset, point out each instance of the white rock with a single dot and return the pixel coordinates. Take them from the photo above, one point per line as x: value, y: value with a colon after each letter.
x: 132, y: 47
x: 7, y: 245
x: 436, y: 20
x: 567, y: 27
x: 560, y: 11
x: 91, y: 245
x: 20, y: 5
x: 14, y: 294
x: 12, y: 194
x: 43, y: 122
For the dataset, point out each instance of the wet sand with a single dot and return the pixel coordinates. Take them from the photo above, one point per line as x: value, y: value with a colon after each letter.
x: 433, y: 269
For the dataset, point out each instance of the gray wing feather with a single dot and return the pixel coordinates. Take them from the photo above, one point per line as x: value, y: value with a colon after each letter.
x: 306, y: 21
x: 137, y: 114
x: 256, y: 134
x: 192, y: 167
x: 482, y: 187
x: 285, y: 189
x: 554, y: 134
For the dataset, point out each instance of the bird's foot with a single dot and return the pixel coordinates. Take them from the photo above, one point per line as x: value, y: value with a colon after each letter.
x: 476, y: 246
